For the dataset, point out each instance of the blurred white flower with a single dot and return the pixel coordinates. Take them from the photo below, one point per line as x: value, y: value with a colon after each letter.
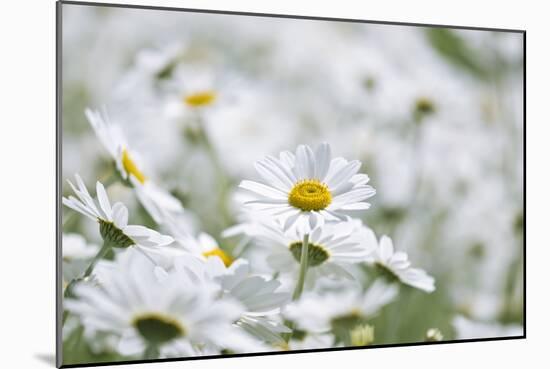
x: 433, y: 335
x: 260, y: 296
x: 312, y: 341
x: 397, y: 265
x: 316, y: 312
x: 76, y: 253
x: 468, y: 329
x: 309, y: 188
x: 266, y: 329
x: 167, y: 317
x: 204, y: 246
x: 158, y: 202
x: 75, y: 247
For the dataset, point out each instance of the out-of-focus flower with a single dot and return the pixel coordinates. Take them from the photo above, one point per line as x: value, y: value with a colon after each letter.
x: 154, y: 199
x: 75, y: 247
x: 204, y: 246
x: 468, y: 329
x: 260, y: 296
x: 433, y: 335
x: 321, y: 312
x: 395, y: 265
x: 159, y: 318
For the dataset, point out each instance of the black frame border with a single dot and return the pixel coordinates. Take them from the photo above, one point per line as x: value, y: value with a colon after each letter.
x: 58, y: 169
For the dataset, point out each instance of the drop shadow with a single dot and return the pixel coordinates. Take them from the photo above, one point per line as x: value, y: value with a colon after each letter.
x: 46, y: 358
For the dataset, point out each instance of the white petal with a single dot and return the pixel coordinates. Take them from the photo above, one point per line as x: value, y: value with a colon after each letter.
x: 120, y: 215
x: 322, y: 161
x: 84, y: 196
x: 263, y: 190
x: 138, y: 231
x: 289, y: 222
x: 344, y: 174
x: 355, y: 195
x: 356, y: 206
x: 284, y: 164
x: 104, y: 201
x: 207, y: 242
x: 386, y: 248
x: 360, y: 179
x: 305, y: 162
x: 273, y: 175
x: 76, y: 205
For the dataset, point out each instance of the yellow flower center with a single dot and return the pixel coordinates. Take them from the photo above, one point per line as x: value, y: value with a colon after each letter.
x: 158, y: 328
x: 227, y: 260
x: 200, y: 98
x: 310, y: 195
x: 131, y: 168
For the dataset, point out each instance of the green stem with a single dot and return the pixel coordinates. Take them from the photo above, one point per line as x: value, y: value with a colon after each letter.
x: 151, y: 352
x: 301, y: 281
x: 223, y: 183
x: 303, y: 269
x: 111, y: 177
x: 104, y: 249
x: 68, y: 290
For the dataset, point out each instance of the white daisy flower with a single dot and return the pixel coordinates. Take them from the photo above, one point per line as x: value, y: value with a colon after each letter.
x: 158, y: 202
x: 260, y: 296
x: 113, y: 221
x: 153, y: 317
x: 204, y: 246
x: 309, y: 186
x: 332, y: 248
x: 467, y: 329
x: 193, y: 92
x: 75, y: 247
x: 199, y: 87
x: 320, y: 313
x: 395, y: 265
x: 312, y: 341
x: 266, y: 329
x: 76, y: 255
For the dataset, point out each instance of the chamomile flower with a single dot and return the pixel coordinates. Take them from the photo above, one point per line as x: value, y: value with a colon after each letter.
x: 192, y: 91
x: 204, y: 246
x: 199, y: 87
x: 332, y: 248
x: 158, y: 202
x: 260, y: 295
x: 76, y: 255
x: 309, y: 187
x: 113, y: 220
x: 312, y: 341
x: 171, y: 316
x: 320, y: 313
x: 395, y: 265
x: 75, y: 247
x: 467, y: 329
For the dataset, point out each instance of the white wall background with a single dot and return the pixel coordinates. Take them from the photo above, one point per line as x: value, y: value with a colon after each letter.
x: 27, y: 181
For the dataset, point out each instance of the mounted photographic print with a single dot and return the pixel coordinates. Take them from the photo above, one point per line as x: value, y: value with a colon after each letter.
x: 235, y: 184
